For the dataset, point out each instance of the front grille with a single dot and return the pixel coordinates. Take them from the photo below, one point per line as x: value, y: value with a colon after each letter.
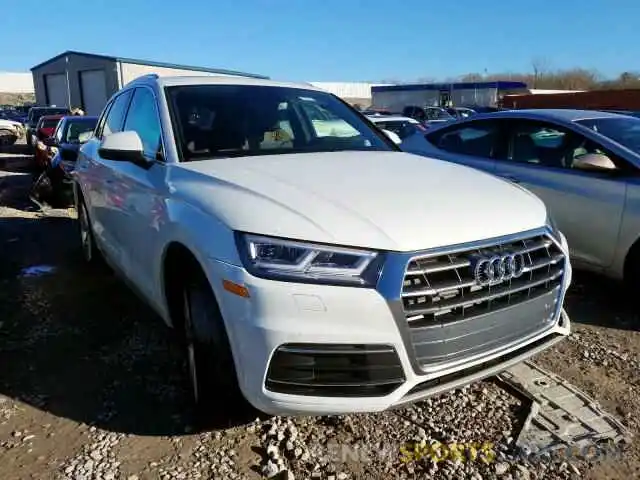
x: 451, y: 315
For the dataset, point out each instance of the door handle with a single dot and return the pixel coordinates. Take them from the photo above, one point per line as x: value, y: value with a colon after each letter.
x: 511, y: 178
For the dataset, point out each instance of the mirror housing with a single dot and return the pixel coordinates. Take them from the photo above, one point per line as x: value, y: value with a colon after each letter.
x: 124, y: 147
x: 392, y: 136
x: 593, y: 161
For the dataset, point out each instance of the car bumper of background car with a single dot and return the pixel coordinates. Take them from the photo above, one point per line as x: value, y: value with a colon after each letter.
x: 305, y: 349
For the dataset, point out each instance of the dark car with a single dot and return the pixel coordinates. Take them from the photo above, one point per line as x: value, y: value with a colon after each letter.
x: 53, y: 185
x: 34, y: 115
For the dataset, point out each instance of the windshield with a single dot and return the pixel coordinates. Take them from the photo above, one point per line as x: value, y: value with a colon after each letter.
x: 245, y: 120
x: 78, y: 126
x: 438, y: 114
x: 625, y: 131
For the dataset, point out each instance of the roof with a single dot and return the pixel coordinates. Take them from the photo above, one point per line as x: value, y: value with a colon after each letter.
x: 51, y: 117
x: 563, y: 114
x: 199, y: 80
x: 151, y: 63
x: 449, y: 86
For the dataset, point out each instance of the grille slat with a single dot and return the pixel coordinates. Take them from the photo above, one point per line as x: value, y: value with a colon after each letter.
x: 441, y: 290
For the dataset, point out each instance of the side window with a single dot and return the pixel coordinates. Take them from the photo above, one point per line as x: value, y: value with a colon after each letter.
x: 143, y: 119
x: 545, y: 144
x: 115, y: 117
x: 479, y: 139
x: 102, y: 120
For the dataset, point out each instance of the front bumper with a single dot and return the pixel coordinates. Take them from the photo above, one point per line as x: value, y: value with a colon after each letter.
x: 281, y: 313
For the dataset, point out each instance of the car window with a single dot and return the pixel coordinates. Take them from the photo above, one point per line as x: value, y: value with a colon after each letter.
x: 249, y: 120
x: 102, y: 120
x: 143, y: 119
x: 78, y: 126
x: 623, y: 130
x: 479, y: 139
x: 115, y: 117
x: 548, y: 145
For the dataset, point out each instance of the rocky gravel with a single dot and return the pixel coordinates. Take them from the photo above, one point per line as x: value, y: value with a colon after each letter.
x: 92, y: 387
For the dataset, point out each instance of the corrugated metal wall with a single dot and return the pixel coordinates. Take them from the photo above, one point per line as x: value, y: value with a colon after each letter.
x: 347, y: 90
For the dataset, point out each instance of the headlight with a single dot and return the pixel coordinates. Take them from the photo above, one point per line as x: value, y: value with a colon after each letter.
x: 289, y: 260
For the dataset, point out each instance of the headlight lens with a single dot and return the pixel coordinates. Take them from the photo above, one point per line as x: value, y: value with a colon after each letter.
x: 279, y: 259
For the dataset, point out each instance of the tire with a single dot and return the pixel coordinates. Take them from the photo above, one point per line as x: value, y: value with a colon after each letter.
x: 90, y: 251
x: 210, y: 366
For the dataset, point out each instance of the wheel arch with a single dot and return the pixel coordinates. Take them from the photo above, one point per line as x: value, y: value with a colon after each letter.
x: 178, y: 261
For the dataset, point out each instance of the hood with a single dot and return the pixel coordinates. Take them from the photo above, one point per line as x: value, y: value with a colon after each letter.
x: 9, y: 123
x: 382, y: 200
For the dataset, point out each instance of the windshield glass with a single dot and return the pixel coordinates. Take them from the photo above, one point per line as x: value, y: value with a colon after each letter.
x: 625, y: 131
x: 50, y: 122
x: 78, y: 126
x: 438, y: 114
x: 245, y: 120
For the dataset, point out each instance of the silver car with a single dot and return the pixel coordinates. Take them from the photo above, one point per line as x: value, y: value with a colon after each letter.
x: 585, y: 165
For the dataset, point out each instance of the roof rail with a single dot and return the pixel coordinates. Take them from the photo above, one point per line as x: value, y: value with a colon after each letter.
x: 150, y: 76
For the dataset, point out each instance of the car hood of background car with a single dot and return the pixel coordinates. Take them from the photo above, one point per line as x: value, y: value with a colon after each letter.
x: 382, y: 200
x: 9, y: 123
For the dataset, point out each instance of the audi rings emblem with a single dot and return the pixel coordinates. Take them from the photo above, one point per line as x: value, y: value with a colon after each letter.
x: 491, y: 270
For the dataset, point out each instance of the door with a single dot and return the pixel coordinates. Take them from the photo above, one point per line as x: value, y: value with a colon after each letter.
x: 586, y: 205
x: 103, y: 193
x: 93, y: 87
x: 56, y: 89
x: 474, y: 144
x: 140, y: 214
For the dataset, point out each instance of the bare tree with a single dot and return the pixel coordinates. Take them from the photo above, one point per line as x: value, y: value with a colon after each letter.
x: 540, y: 66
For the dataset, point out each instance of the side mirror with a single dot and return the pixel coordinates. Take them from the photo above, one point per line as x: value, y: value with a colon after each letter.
x: 84, y: 137
x: 124, y: 147
x: 593, y: 161
x: 392, y: 136
x: 49, y: 142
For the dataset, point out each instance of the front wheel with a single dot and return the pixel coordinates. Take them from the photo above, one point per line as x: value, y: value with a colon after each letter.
x: 211, y: 369
x: 90, y: 252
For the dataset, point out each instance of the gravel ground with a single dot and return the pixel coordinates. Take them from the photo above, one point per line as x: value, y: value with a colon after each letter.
x: 92, y: 385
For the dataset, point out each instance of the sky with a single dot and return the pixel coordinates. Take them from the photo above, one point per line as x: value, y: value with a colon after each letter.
x: 332, y: 40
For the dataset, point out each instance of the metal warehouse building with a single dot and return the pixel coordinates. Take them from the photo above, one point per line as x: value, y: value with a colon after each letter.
x: 86, y: 80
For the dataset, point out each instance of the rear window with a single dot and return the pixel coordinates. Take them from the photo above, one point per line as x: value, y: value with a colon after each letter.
x: 50, y: 123
x: 35, y: 114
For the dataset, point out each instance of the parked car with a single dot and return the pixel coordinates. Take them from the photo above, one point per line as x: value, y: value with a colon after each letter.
x: 53, y: 185
x: 10, y: 131
x: 410, y: 132
x: 428, y: 116
x: 312, y: 273
x: 34, y: 115
x: 583, y: 164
